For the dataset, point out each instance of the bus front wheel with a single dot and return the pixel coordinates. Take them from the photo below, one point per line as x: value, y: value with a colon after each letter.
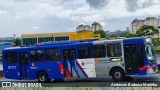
x: 118, y: 74
x: 42, y: 77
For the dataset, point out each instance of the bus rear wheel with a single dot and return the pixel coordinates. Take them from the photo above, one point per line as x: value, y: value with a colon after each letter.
x: 42, y: 77
x: 118, y: 74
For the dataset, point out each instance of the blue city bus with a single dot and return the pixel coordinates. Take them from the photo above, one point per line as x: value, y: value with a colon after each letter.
x: 102, y: 58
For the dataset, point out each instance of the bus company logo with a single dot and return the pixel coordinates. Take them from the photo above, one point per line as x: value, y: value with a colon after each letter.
x: 6, y: 84
x: 82, y: 63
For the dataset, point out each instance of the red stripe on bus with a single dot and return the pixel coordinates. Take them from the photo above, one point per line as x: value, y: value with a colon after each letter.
x: 62, y: 68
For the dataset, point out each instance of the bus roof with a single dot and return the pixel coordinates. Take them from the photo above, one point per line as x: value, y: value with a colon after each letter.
x: 135, y: 40
x: 51, y: 44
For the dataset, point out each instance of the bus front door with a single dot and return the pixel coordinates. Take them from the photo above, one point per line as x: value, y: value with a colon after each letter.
x: 69, y: 57
x: 23, y: 56
x: 133, y: 58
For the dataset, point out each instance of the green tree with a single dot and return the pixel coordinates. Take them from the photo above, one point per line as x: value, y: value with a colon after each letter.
x: 155, y: 42
x: 147, y: 30
x: 101, y: 32
x: 128, y: 35
x: 112, y: 36
x: 17, y: 42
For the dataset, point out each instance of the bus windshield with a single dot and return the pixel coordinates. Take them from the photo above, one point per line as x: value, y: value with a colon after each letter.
x: 150, y: 55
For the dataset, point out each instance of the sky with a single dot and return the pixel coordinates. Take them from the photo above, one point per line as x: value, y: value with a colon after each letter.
x: 45, y: 16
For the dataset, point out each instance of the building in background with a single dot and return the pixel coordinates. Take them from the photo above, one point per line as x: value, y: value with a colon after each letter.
x: 136, y: 24
x: 84, y: 27
x: 31, y: 39
x: 127, y: 29
x: 83, y: 32
x: 117, y: 33
x: 95, y: 26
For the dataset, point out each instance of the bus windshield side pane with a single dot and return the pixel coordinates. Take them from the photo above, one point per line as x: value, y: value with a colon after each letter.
x: 11, y: 57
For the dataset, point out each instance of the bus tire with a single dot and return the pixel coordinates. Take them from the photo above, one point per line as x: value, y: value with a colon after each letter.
x: 42, y: 77
x: 118, y: 74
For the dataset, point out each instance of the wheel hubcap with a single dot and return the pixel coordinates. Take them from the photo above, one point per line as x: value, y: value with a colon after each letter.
x: 42, y: 78
x: 117, y: 74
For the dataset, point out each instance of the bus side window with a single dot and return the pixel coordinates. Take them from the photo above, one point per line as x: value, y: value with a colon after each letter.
x: 53, y: 54
x: 33, y: 56
x: 84, y: 52
x: 11, y: 57
x: 36, y: 55
x: 73, y: 54
x: 50, y: 54
x: 26, y: 58
x: 23, y: 58
x: 57, y: 54
x: 66, y: 55
x: 99, y: 51
x: 40, y: 55
x: 114, y: 50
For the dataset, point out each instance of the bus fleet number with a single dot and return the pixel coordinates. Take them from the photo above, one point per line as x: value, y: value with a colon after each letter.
x: 11, y: 67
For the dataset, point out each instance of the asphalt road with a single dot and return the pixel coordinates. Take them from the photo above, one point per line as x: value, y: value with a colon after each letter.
x: 152, y: 78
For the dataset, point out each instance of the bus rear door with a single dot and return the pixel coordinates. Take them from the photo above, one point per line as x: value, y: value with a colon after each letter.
x: 69, y: 57
x: 24, y: 71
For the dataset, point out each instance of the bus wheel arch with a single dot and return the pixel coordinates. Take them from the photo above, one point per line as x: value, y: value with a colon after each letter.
x: 42, y: 76
x: 117, y: 73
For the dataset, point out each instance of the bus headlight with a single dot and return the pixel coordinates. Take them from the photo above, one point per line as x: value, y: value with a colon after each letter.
x: 150, y: 71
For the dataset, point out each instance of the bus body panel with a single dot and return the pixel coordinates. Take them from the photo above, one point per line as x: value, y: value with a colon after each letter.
x: 139, y: 44
x: 74, y: 66
x: 50, y: 67
x: 69, y: 63
x: 104, y: 65
x: 24, y: 63
x: 11, y: 71
x: 86, y: 68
